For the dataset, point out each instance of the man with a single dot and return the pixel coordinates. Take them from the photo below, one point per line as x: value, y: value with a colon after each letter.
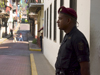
x: 73, y: 55
x: 20, y: 37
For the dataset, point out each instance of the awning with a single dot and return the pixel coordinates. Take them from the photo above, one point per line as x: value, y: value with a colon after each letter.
x: 6, y: 14
x: 40, y: 29
x: 36, y: 4
x: 35, y: 7
x: 31, y: 13
x: 2, y: 15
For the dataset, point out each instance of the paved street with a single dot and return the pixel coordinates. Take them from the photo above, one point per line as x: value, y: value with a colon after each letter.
x: 13, y: 52
x: 15, y: 57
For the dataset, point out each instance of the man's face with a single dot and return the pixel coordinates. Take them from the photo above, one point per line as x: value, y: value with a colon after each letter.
x: 62, y: 21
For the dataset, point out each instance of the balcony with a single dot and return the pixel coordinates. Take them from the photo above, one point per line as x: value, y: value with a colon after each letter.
x: 36, y: 1
x: 35, y: 5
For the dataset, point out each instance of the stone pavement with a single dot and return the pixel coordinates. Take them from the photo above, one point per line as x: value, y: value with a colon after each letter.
x: 19, y: 65
x: 14, y: 65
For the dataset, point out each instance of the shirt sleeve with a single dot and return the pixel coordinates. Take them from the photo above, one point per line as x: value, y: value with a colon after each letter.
x: 81, y: 49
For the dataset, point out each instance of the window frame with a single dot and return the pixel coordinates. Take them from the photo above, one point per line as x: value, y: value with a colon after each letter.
x: 55, y: 9
x: 50, y: 20
x: 61, y: 31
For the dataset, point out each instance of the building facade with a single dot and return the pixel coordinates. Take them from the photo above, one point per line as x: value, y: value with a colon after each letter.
x: 36, y: 17
x: 4, y: 16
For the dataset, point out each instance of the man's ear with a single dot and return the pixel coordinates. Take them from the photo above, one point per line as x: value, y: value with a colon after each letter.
x: 68, y: 20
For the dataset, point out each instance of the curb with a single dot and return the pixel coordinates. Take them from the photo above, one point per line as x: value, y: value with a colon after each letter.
x: 3, y: 40
x: 33, y: 66
x: 34, y: 49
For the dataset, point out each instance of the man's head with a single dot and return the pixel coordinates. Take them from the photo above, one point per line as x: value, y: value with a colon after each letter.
x: 67, y: 17
x: 68, y: 11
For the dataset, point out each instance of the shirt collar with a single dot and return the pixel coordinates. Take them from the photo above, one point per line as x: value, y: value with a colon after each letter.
x: 72, y: 30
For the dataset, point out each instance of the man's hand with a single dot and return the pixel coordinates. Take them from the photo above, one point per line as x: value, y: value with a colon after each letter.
x: 85, y: 68
x: 58, y: 72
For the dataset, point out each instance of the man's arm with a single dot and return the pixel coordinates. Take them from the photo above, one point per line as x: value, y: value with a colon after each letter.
x: 85, y: 68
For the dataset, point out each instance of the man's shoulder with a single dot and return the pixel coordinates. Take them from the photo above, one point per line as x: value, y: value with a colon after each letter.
x: 77, y: 34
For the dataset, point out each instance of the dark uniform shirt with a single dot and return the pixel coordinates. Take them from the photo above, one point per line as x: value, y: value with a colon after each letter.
x: 73, y: 50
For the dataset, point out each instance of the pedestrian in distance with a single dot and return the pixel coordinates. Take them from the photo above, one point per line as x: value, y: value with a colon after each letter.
x: 14, y: 38
x: 20, y: 37
x: 73, y: 55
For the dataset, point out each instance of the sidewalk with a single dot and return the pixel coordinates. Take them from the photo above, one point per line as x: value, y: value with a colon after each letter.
x: 32, y: 47
x: 39, y: 64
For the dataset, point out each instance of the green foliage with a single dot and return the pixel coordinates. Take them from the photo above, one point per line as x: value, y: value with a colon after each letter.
x: 2, y: 4
x: 26, y: 20
x: 34, y: 41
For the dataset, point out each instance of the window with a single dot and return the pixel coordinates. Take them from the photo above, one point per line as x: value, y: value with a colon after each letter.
x: 50, y: 19
x: 73, y: 4
x: 61, y: 2
x: 47, y: 22
x: 54, y: 20
x: 61, y: 32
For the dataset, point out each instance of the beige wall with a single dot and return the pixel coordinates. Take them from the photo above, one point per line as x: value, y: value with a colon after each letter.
x: 50, y: 47
x: 95, y: 37
x: 40, y: 20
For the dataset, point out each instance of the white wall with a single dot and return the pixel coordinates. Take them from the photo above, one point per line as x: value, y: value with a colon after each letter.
x: 50, y: 50
x: 95, y: 37
x: 83, y: 11
x: 50, y: 47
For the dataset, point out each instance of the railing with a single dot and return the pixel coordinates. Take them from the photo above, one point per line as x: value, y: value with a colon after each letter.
x: 36, y: 1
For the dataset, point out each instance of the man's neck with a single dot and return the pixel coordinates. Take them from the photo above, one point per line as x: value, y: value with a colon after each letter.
x: 68, y: 30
